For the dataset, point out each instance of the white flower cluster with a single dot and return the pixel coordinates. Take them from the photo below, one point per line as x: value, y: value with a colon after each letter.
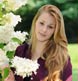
x: 13, y: 4
x: 10, y: 19
x: 11, y: 46
x: 3, y: 58
x: 6, y: 34
x: 24, y: 67
x: 20, y: 35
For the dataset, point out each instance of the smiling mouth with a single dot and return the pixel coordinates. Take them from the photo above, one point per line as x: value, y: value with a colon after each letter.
x: 42, y: 34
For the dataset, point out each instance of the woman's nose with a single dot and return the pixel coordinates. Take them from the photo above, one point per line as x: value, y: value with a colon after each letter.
x: 44, y: 28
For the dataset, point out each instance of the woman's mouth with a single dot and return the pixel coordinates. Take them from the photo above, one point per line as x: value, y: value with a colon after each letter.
x: 42, y: 34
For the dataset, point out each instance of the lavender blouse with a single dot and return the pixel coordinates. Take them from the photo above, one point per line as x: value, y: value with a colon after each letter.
x: 22, y: 51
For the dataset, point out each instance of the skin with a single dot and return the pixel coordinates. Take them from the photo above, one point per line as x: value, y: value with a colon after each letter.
x: 10, y: 77
x: 45, y: 26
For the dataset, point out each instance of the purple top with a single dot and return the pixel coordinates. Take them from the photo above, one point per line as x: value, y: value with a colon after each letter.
x: 22, y: 51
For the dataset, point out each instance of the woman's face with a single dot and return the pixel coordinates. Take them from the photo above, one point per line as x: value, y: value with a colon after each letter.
x: 45, y: 26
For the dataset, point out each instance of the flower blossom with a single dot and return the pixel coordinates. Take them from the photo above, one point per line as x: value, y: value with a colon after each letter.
x: 20, y: 35
x: 10, y: 19
x: 14, y: 4
x: 6, y: 34
x: 26, y: 68
x: 11, y: 46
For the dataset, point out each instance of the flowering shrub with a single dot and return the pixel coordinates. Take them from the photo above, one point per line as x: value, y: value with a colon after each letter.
x: 9, y: 39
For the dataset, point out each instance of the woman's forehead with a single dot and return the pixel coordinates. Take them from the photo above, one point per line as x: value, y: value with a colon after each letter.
x: 46, y: 17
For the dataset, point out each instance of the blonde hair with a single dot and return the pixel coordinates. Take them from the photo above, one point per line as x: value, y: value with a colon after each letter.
x: 55, y: 52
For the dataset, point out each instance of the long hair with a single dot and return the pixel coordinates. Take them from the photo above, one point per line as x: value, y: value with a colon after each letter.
x: 55, y: 52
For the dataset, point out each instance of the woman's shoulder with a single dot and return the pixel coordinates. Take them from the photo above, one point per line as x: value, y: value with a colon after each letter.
x: 22, y: 46
x: 20, y: 50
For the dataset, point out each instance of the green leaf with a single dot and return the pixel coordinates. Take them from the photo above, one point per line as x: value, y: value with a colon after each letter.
x: 17, y: 40
x: 10, y: 54
x: 0, y: 76
x: 2, y: 45
x: 1, y: 13
x: 6, y: 72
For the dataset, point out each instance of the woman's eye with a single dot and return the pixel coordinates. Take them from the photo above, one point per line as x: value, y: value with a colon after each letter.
x: 50, y: 27
x: 41, y: 23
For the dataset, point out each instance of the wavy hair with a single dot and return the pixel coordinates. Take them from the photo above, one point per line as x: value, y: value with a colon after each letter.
x: 55, y: 52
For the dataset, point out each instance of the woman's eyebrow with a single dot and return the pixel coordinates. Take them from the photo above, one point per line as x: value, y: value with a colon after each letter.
x: 52, y: 24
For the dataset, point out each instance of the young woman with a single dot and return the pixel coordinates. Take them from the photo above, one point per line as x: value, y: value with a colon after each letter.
x: 48, y: 45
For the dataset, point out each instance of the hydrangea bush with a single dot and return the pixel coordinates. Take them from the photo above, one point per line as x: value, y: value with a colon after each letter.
x: 9, y: 39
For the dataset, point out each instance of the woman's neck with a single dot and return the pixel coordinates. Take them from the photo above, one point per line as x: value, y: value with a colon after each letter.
x: 39, y: 50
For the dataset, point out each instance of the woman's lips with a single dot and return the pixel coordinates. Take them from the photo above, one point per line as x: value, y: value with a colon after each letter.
x: 42, y: 34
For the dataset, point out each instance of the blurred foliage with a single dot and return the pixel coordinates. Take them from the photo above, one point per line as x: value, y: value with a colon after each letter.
x: 69, y: 10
